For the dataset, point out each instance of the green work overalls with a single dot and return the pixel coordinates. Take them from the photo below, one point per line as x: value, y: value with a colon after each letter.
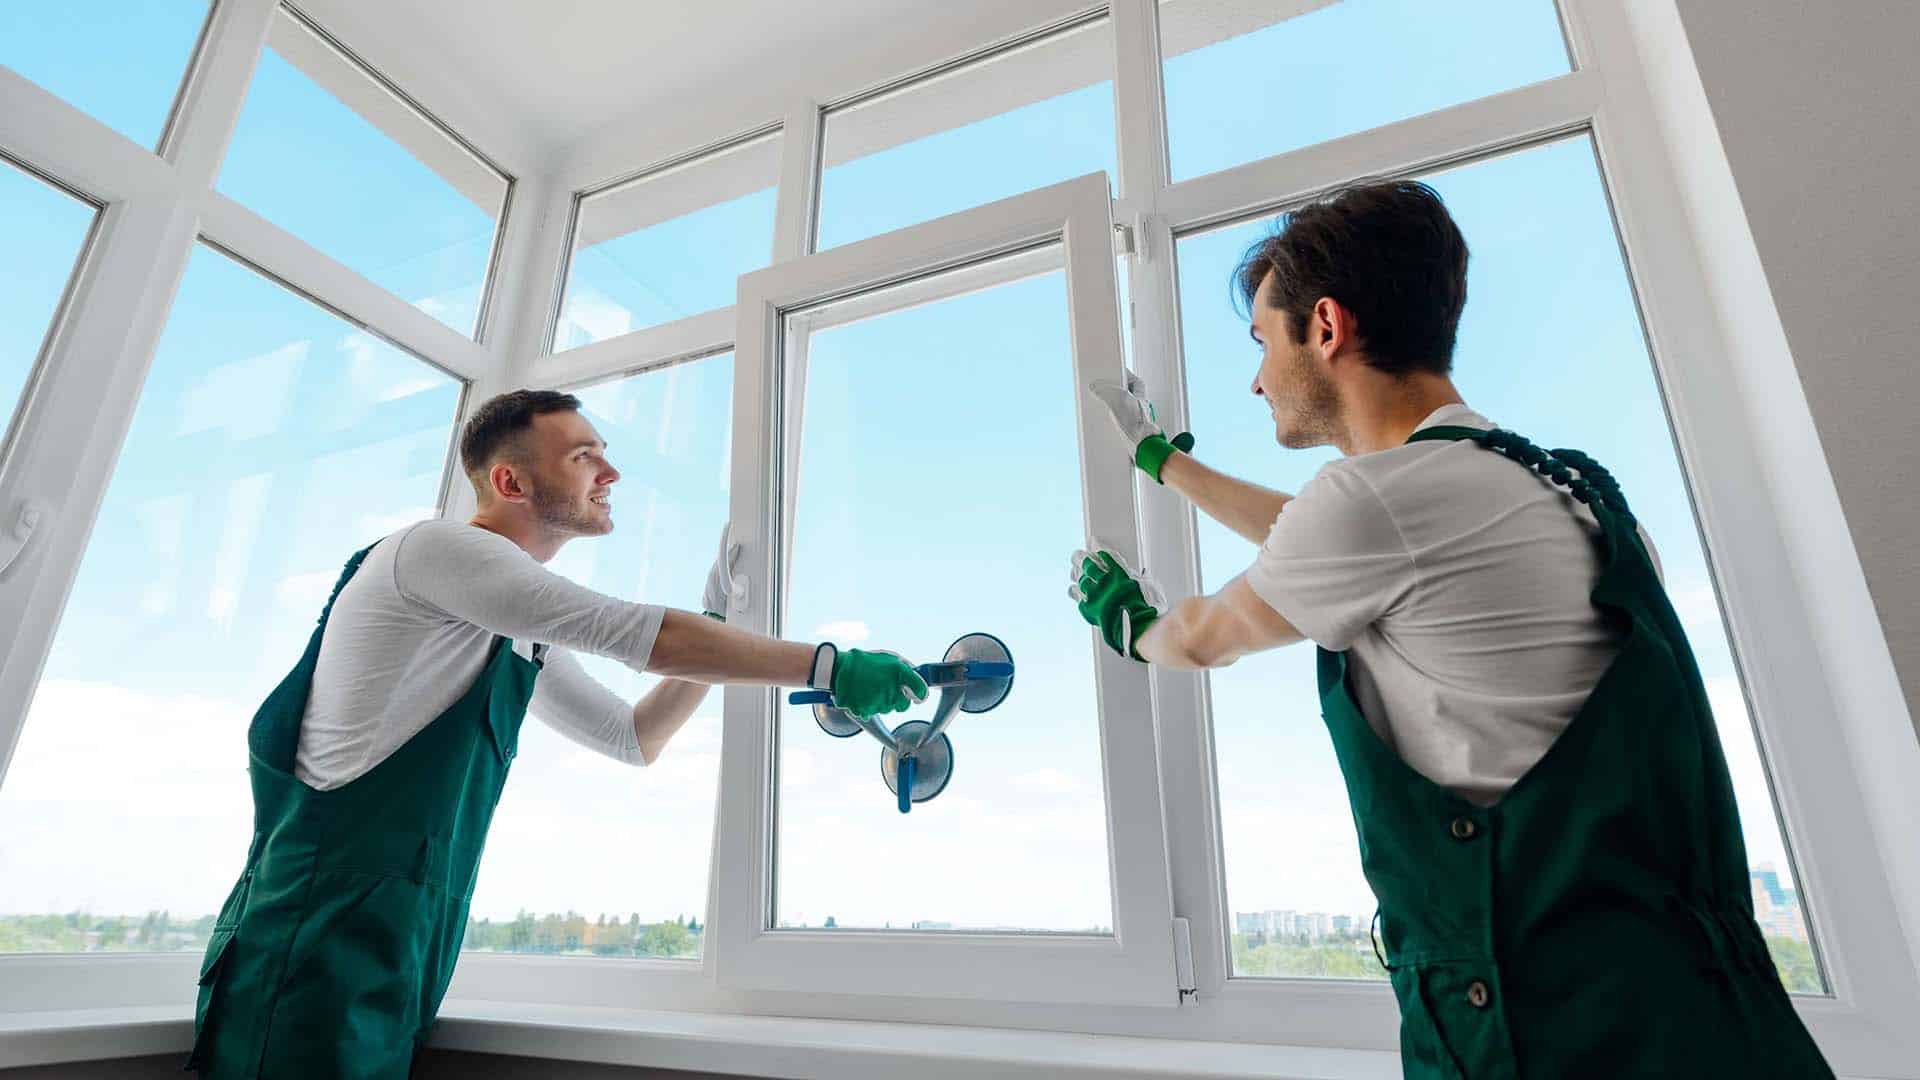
x: 1597, y: 921
x: 330, y: 956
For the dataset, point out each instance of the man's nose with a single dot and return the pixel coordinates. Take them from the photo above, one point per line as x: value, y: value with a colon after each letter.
x: 1256, y: 386
x: 609, y: 474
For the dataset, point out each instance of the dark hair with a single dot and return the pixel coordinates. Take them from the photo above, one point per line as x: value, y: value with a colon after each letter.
x: 1389, y: 253
x: 500, y: 420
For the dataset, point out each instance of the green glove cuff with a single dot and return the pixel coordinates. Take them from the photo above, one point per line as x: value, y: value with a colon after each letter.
x: 1154, y: 450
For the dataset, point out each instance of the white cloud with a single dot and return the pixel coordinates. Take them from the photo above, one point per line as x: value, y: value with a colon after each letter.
x: 1047, y: 781
x: 843, y: 631
x: 596, y: 315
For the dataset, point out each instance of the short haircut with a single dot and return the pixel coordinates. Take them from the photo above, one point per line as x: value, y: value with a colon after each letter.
x: 496, y: 426
x: 1387, y: 252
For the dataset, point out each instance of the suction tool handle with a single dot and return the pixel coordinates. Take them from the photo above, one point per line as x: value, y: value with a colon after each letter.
x: 905, y: 772
x: 810, y: 697
x: 955, y: 672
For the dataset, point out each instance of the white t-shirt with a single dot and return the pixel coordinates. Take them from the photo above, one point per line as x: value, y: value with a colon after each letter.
x: 412, y: 630
x: 1458, y: 582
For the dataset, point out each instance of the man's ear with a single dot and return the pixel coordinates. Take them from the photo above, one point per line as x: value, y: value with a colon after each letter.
x: 504, y: 482
x: 1333, y: 328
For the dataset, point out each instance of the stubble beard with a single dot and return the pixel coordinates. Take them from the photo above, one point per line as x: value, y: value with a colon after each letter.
x: 1311, y: 416
x: 567, y: 516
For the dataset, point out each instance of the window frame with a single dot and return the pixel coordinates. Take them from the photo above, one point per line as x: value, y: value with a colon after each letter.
x: 1133, y: 965
x: 1796, y: 598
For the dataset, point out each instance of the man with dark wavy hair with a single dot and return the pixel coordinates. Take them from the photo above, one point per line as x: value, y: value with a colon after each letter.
x: 376, y: 764
x: 1545, y: 814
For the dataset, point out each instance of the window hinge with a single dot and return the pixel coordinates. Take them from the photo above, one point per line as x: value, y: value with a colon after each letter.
x: 1183, y: 958
x: 1122, y: 239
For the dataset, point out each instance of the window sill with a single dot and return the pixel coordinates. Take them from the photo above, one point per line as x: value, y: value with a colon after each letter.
x: 744, y: 1045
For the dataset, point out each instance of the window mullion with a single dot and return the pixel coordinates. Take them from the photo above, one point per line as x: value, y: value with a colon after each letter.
x: 272, y: 248
x: 210, y: 106
x: 1168, y: 540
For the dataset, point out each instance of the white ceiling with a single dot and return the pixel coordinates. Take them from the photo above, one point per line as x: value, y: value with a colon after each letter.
x: 538, y: 84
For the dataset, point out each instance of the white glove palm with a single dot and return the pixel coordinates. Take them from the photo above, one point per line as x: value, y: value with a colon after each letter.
x: 723, y: 588
x: 1127, y: 404
x: 1133, y: 415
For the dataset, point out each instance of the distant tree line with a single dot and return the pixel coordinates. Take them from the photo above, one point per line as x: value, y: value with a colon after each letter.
x: 161, y: 931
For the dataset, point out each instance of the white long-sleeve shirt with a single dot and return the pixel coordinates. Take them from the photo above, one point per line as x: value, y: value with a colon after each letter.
x: 411, y: 631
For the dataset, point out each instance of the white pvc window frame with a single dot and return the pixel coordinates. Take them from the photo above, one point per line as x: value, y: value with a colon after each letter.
x: 1134, y: 964
x: 1831, y: 717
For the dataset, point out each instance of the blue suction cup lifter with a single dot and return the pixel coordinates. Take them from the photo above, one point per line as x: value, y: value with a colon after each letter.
x: 989, y: 667
x: 921, y: 768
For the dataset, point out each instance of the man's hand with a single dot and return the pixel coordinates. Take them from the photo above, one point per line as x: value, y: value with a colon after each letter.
x: 714, y: 601
x: 870, y: 683
x: 1133, y: 414
x: 1114, y: 598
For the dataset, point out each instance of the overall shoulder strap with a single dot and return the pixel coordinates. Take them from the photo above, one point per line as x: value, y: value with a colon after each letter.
x: 1582, y: 476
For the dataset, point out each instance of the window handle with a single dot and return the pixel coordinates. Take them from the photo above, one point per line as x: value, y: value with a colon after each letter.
x: 28, y: 516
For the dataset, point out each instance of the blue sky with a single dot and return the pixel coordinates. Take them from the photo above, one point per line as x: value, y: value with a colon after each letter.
x: 938, y: 494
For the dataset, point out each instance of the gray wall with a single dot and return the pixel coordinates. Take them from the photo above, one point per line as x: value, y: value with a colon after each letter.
x: 1818, y: 105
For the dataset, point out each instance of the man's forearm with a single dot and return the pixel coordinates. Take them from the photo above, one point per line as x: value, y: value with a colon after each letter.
x: 706, y: 650
x: 1169, y: 641
x: 660, y: 715
x: 1246, y: 508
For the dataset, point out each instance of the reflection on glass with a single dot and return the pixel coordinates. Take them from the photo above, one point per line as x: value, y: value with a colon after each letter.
x: 1020, y: 120
x: 272, y: 441
x: 325, y: 152
x: 1244, y: 81
x: 1551, y: 346
x: 120, y: 63
x: 938, y: 494
x: 589, y: 856
x: 45, y: 229
x: 669, y: 244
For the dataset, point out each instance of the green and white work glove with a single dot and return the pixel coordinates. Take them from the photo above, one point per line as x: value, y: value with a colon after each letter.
x: 866, y: 683
x: 1114, y: 598
x: 1132, y: 413
x: 722, y: 585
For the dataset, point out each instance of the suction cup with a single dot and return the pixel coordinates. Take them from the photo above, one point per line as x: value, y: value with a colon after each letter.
x: 933, y: 763
x: 982, y: 694
x: 836, y: 722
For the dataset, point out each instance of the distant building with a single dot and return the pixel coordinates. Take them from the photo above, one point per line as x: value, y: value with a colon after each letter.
x: 1775, y: 907
x: 1311, y: 925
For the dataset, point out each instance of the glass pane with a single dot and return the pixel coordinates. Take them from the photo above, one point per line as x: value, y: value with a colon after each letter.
x: 549, y: 885
x: 1246, y: 81
x: 1018, y: 121
x: 272, y: 441
x: 45, y: 230
x: 120, y: 62
x: 669, y: 244
x: 325, y: 152
x: 885, y: 556
x: 1546, y: 280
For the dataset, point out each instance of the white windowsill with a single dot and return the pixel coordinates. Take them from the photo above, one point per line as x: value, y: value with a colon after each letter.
x: 745, y: 1045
